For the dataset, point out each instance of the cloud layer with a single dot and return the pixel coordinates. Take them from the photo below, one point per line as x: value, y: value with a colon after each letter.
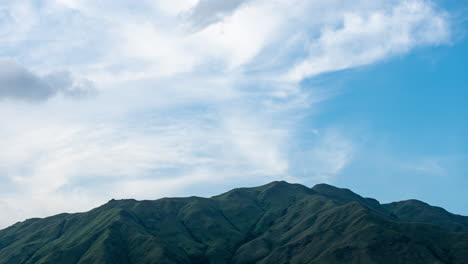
x: 197, y: 95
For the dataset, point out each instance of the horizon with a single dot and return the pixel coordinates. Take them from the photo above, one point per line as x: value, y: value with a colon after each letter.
x: 150, y: 99
x: 227, y: 191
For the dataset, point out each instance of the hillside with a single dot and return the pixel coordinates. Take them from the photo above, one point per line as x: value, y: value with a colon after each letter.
x: 274, y: 223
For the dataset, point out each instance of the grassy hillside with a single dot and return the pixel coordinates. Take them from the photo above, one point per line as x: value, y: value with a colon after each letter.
x: 274, y: 223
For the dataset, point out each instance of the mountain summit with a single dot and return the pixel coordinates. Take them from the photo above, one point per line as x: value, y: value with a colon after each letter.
x: 274, y: 223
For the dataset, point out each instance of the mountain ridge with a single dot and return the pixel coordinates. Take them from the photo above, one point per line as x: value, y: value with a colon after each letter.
x: 277, y: 222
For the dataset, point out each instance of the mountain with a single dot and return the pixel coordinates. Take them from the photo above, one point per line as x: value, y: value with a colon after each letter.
x: 274, y: 223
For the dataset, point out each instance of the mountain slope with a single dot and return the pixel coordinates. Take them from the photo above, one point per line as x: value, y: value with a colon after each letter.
x: 274, y: 223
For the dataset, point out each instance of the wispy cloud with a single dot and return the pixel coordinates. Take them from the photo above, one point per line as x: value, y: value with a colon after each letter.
x: 367, y: 37
x: 426, y: 166
x: 329, y: 155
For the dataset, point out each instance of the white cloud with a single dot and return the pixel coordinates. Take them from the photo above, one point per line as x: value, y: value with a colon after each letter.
x: 370, y: 37
x: 152, y: 39
x: 159, y: 155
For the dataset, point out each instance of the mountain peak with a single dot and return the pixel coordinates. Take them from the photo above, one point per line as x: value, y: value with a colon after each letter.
x: 325, y: 188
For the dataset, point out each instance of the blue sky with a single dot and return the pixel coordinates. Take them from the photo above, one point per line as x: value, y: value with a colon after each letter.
x: 127, y: 99
x: 409, y: 117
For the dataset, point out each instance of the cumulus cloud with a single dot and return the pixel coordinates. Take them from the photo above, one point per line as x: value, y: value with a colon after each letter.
x: 18, y: 83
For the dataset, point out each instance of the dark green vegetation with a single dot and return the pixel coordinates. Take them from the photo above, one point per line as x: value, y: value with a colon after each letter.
x: 275, y: 223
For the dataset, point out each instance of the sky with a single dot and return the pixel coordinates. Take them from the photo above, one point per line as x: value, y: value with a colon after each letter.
x: 149, y: 99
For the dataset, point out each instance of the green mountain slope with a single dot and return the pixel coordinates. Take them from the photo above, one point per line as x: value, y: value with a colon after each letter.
x: 274, y: 223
